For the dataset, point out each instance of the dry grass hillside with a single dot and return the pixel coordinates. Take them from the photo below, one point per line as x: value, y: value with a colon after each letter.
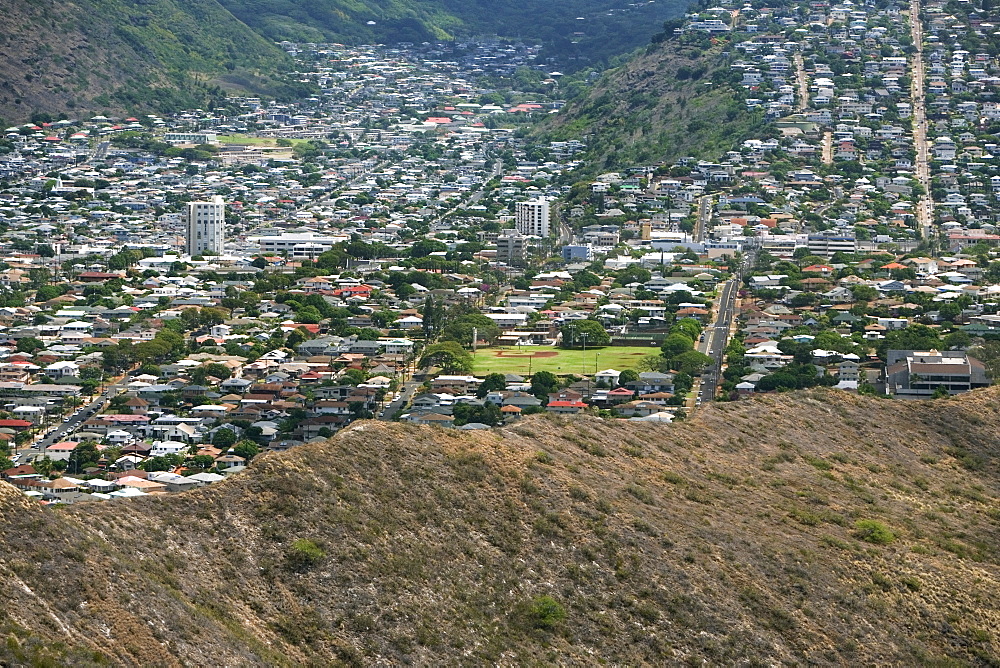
x: 817, y: 528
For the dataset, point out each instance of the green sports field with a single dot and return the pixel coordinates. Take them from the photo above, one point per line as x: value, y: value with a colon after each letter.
x: 558, y: 361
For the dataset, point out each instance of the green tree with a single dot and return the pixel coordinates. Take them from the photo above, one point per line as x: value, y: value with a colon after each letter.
x: 545, y: 613
x: 691, y: 362
x: 38, y: 276
x: 246, y: 449
x: 989, y: 355
x: 424, y: 247
x: 83, y: 456
x: 460, y: 330
x: 676, y: 344
x: 544, y: 383
x: 224, y: 438
x: 303, y: 554
x: 486, y: 414
x: 202, y: 461
x: 47, y: 292
x: 914, y: 337
x: 865, y: 293
x: 212, y: 369
x: 492, y: 382
x: 628, y: 376
x: 449, y: 355
x: 634, y: 274
x: 29, y: 344
x: 584, y: 333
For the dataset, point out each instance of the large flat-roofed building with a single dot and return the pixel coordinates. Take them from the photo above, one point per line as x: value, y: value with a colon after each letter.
x: 206, y: 226
x: 196, y: 138
x: 918, y: 374
x: 829, y: 242
x: 299, y: 245
x: 532, y: 217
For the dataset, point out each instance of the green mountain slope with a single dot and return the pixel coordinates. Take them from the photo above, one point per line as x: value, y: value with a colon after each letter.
x: 119, y: 55
x: 668, y: 102
x: 575, y: 35
x: 850, y: 531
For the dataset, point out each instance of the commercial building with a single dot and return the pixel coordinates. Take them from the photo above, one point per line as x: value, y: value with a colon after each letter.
x: 532, y: 217
x: 577, y: 253
x: 306, y: 245
x: 191, y: 138
x: 829, y: 242
x: 206, y: 225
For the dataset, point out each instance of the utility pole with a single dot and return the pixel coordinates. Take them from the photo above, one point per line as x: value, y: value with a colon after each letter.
x: 475, y: 338
x: 583, y: 359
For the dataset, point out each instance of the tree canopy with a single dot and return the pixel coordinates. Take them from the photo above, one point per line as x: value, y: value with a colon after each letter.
x: 584, y: 333
x: 449, y: 356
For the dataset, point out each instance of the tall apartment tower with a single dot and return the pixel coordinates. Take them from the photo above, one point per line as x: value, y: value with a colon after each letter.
x: 206, y: 226
x: 512, y: 247
x: 532, y: 217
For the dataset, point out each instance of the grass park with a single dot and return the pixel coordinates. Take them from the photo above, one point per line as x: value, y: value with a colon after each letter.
x: 530, y: 359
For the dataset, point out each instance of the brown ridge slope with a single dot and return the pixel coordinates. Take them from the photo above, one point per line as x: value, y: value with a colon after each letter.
x: 728, y: 538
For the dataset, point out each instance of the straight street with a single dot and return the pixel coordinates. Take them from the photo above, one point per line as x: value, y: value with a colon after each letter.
x: 925, y: 207
x: 37, y: 449
x: 405, y: 396
x: 716, y: 337
x: 704, y: 215
x: 802, y: 81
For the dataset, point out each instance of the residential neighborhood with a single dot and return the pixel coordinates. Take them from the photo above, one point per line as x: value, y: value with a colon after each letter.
x: 181, y: 293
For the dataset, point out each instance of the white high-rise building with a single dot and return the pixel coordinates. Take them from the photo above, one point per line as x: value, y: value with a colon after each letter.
x: 206, y: 226
x: 532, y: 217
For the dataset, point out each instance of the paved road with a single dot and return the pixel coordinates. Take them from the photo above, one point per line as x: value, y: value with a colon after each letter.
x: 803, y: 82
x: 716, y: 337
x: 925, y: 207
x: 704, y: 215
x: 405, y: 395
x: 37, y: 448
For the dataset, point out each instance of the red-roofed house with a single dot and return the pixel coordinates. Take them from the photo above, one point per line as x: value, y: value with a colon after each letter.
x: 61, y: 451
x: 565, y: 407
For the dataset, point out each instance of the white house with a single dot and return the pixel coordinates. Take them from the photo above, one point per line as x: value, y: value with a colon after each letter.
x: 161, y: 448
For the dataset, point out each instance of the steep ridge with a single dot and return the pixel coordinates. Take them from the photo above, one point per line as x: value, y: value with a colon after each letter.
x: 116, y: 55
x: 817, y: 527
x: 166, y: 55
x: 668, y: 102
x: 577, y: 34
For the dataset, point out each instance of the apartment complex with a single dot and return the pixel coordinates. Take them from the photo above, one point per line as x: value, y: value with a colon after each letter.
x: 532, y: 217
x: 205, y: 224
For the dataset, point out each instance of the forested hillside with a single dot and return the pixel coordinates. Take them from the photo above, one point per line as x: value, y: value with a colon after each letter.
x: 849, y: 531
x: 668, y: 102
x: 118, y: 55
x: 575, y: 34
